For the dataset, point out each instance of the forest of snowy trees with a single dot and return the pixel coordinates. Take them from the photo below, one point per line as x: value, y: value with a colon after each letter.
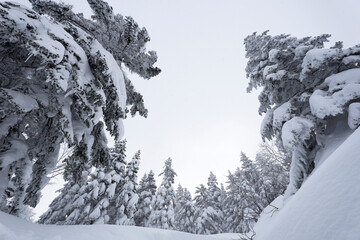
x: 63, y: 86
x: 112, y: 195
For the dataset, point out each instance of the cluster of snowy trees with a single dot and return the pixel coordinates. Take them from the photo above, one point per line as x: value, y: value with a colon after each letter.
x: 307, y: 92
x: 237, y: 206
x: 112, y: 195
x: 62, y: 82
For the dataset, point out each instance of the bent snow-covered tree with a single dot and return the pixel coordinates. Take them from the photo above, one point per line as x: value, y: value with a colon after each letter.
x: 62, y: 81
x: 307, y: 92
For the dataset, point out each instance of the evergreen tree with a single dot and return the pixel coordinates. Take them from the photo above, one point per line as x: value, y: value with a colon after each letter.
x: 126, y: 200
x: 185, y: 216
x: 250, y: 187
x: 304, y: 86
x: 201, y: 203
x: 59, y: 82
x: 146, y: 191
x: 162, y: 214
x: 223, y: 195
x: 233, y: 204
x: 214, y: 213
x: 89, y: 203
x: 209, y: 215
x: 179, y: 201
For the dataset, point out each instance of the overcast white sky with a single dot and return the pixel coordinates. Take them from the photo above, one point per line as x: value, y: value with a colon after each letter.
x: 199, y: 112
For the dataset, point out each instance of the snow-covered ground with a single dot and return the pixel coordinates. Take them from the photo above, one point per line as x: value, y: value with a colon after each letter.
x: 12, y: 228
x: 327, y: 206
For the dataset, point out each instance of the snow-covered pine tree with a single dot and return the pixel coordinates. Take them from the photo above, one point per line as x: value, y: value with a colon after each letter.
x: 233, y: 204
x: 146, y: 191
x: 162, y: 214
x: 209, y: 215
x: 56, y: 74
x: 179, y: 200
x: 223, y: 195
x: 250, y: 188
x: 185, y: 214
x: 215, y: 213
x: 122, y: 37
x: 307, y: 92
x: 89, y: 203
x: 201, y: 204
x: 126, y: 200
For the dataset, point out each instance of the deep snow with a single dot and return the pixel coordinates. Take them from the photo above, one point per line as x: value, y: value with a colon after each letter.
x: 327, y: 206
x: 13, y: 228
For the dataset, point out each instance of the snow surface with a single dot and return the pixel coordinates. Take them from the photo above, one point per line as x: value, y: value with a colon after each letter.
x: 327, y: 206
x: 12, y: 228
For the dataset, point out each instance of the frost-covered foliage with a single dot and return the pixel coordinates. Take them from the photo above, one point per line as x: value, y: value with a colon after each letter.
x: 209, y: 215
x: 122, y: 37
x: 89, y: 203
x: 233, y: 205
x: 163, y: 213
x: 253, y: 186
x: 179, y: 200
x: 124, y: 204
x: 146, y: 191
x: 184, y: 211
x: 62, y: 82
x: 304, y: 87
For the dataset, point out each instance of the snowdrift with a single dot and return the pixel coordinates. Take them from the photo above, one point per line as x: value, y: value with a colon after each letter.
x: 327, y: 206
x: 13, y: 228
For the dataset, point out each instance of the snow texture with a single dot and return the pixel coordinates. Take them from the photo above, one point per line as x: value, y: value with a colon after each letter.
x: 327, y: 206
x: 315, y: 58
x: 12, y: 228
x: 296, y: 131
x: 281, y: 115
x: 354, y: 115
x: 343, y: 87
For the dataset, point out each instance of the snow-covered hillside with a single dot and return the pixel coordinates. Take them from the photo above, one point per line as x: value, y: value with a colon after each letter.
x: 327, y: 206
x: 13, y: 228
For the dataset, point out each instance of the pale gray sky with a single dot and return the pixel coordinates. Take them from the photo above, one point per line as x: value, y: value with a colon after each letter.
x: 199, y: 112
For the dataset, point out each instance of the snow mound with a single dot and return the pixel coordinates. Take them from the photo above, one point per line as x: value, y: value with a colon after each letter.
x: 327, y: 206
x: 12, y: 228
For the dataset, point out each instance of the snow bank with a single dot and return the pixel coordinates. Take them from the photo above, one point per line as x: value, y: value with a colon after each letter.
x: 12, y: 228
x: 327, y: 206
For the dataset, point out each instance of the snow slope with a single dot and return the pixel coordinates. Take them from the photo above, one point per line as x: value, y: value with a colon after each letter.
x: 12, y: 228
x: 327, y: 206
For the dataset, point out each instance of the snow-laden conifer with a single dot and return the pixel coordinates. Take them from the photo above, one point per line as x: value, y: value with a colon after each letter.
x: 163, y: 213
x: 62, y: 82
x: 306, y: 90
x: 124, y: 205
x: 89, y: 203
x: 146, y: 191
x: 185, y: 211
